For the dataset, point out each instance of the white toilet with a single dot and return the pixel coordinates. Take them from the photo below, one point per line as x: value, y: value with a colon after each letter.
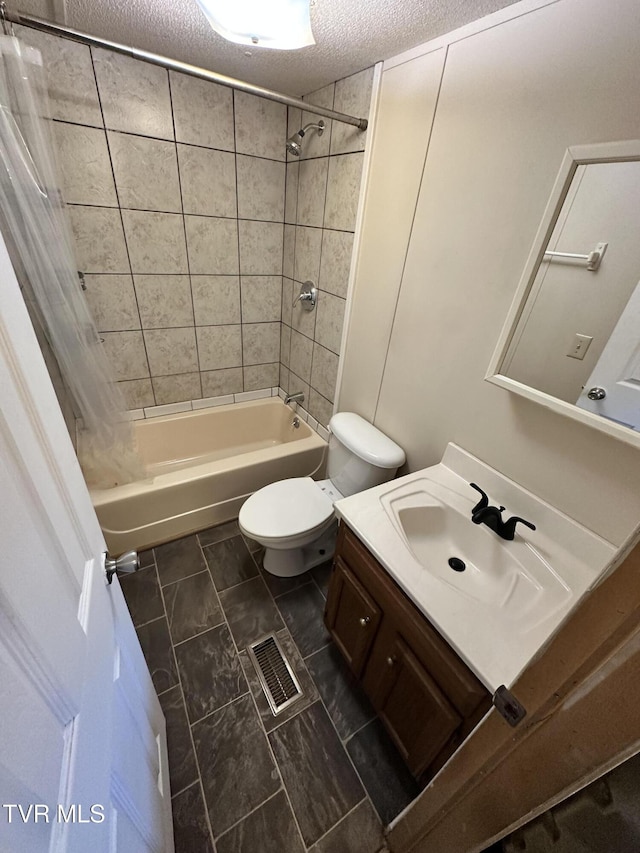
x: 294, y: 519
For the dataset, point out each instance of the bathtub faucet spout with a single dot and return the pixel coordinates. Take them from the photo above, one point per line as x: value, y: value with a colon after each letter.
x: 298, y: 397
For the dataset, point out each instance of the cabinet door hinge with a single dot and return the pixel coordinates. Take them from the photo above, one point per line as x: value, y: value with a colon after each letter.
x: 508, y: 706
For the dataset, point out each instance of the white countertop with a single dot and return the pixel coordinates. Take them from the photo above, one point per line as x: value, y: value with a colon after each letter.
x: 495, y: 645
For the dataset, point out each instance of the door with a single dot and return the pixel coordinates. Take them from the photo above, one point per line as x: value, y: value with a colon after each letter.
x: 415, y: 712
x: 83, y: 762
x: 352, y: 616
x: 617, y: 371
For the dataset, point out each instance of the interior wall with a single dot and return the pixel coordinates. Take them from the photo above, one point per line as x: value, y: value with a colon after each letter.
x: 322, y: 193
x: 515, y: 93
x: 566, y: 298
x: 175, y: 190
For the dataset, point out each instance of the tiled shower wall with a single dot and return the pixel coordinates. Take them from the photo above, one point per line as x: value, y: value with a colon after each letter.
x: 175, y: 189
x: 176, y: 193
x: 320, y: 214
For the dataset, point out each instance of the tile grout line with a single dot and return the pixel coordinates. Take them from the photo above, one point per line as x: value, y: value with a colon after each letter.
x: 255, y: 706
x: 250, y: 692
x: 184, y: 707
x: 184, y: 231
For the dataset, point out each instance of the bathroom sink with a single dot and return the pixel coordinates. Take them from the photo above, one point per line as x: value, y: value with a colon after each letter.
x: 435, y: 525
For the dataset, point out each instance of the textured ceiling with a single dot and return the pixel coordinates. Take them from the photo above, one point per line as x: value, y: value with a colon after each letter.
x: 350, y: 34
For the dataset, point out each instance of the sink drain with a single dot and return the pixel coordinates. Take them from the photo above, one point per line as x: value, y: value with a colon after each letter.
x: 457, y: 564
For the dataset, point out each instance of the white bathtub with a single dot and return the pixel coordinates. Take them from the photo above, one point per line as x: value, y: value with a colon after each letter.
x: 202, y: 466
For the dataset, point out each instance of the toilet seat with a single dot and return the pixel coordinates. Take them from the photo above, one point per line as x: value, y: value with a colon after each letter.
x: 286, y: 510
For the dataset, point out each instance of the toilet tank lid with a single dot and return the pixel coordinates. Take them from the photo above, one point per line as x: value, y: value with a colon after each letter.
x: 366, y: 441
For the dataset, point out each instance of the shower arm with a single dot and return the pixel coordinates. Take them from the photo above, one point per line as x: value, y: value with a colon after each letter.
x: 184, y: 67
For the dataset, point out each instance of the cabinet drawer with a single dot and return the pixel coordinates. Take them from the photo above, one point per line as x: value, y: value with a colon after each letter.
x: 352, y: 616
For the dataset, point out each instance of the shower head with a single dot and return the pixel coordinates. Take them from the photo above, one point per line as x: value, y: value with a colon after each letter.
x: 294, y: 143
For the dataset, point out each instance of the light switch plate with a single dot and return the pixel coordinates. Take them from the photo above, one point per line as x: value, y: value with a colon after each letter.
x: 579, y: 346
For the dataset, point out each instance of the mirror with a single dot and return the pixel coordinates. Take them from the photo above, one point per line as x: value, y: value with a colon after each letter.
x: 572, y: 338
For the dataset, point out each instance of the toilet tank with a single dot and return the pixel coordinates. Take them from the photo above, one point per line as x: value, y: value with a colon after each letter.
x: 360, y: 456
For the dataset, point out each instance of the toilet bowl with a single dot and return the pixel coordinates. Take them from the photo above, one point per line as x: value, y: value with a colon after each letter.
x: 294, y: 519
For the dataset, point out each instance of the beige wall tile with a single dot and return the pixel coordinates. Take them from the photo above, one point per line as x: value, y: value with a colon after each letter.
x: 126, y: 354
x: 176, y: 389
x: 291, y: 193
x: 287, y: 300
x: 85, y: 169
x: 285, y: 344
x: 324, y: 371
x: 343, y: 188
x: 216, y: 383
x: 99, y: 240
x: 260, y: 126
x: 260, y: 343
x: 296, y: 383
x: 302, y: 320
x: 69, y: 73
x: 312, y: 188
x: 134, y: 94
x: 335, y: 264
x: 301, y: 355
x: 171, y: 351
x: 155, y: 242
x: 353, y: 96
x: 261, y: 298
x: 284, y: 378
x: 261, y: 376
x: 260, y: 188
x: 319, y: 407
x: 216, y: 299
x: 212, y: 245
x: 261, y: 248
x: 164, y: 301
x: 202, y: 111
x: 138, y: 393
x: 288, y: 252
x: 112, y: 302
x: 329, y: 321
x: 307, y: 254
x: 146, y: 172
x: 315, y: 145
x: 208, y: 181
x: 218, y: 347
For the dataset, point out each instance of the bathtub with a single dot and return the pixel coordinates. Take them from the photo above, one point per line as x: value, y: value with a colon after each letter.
x: 201, y: 467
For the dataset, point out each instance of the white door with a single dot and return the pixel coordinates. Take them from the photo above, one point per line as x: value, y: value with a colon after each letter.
x: 617, y: 371
x: 83, y: 764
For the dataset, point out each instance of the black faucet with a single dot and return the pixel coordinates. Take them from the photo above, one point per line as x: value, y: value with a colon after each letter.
x: 483, y: 513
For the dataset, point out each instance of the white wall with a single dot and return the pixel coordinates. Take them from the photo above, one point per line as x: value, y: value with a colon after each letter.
x: 566, y: 298
x: 512, y: 98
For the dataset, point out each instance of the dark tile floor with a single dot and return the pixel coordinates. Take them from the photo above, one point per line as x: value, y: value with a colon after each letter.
x: 323, y: 776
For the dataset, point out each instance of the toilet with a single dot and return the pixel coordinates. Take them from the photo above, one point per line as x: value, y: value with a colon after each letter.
x: 294, y: 519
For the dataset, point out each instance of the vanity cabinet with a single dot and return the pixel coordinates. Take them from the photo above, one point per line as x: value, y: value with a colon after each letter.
x: 426, y: 697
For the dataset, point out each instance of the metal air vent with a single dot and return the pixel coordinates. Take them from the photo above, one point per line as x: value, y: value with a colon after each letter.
x: 278, y: 682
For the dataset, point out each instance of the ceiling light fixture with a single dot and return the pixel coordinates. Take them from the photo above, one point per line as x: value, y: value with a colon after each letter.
x: 279, y: 24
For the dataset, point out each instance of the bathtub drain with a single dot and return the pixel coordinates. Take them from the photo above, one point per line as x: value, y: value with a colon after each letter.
x: 277, y: 680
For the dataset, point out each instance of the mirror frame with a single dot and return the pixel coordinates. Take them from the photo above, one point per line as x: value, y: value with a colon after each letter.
x: 575, y: 156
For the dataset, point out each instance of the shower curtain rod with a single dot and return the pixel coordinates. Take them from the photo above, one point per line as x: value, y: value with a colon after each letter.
x: 184, y: 67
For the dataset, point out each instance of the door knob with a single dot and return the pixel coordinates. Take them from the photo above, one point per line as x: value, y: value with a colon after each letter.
x: 596, y: 393
x: 364, y: 621
x: 127, y: 562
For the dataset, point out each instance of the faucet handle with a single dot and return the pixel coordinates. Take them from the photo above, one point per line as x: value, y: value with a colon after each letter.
x: 509, y: 527
x: 484, y: 500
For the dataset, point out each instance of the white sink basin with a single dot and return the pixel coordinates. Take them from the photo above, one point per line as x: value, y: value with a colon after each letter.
x: 435, y: 524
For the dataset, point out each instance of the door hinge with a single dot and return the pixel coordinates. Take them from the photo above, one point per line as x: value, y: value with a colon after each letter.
x: 508, y: 706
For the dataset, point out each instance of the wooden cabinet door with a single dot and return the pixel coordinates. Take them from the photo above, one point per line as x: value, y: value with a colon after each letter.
x: 352, y: 616
x: 412, y: 707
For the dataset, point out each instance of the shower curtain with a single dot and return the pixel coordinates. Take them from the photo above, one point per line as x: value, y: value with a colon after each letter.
x: 36, y: 229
